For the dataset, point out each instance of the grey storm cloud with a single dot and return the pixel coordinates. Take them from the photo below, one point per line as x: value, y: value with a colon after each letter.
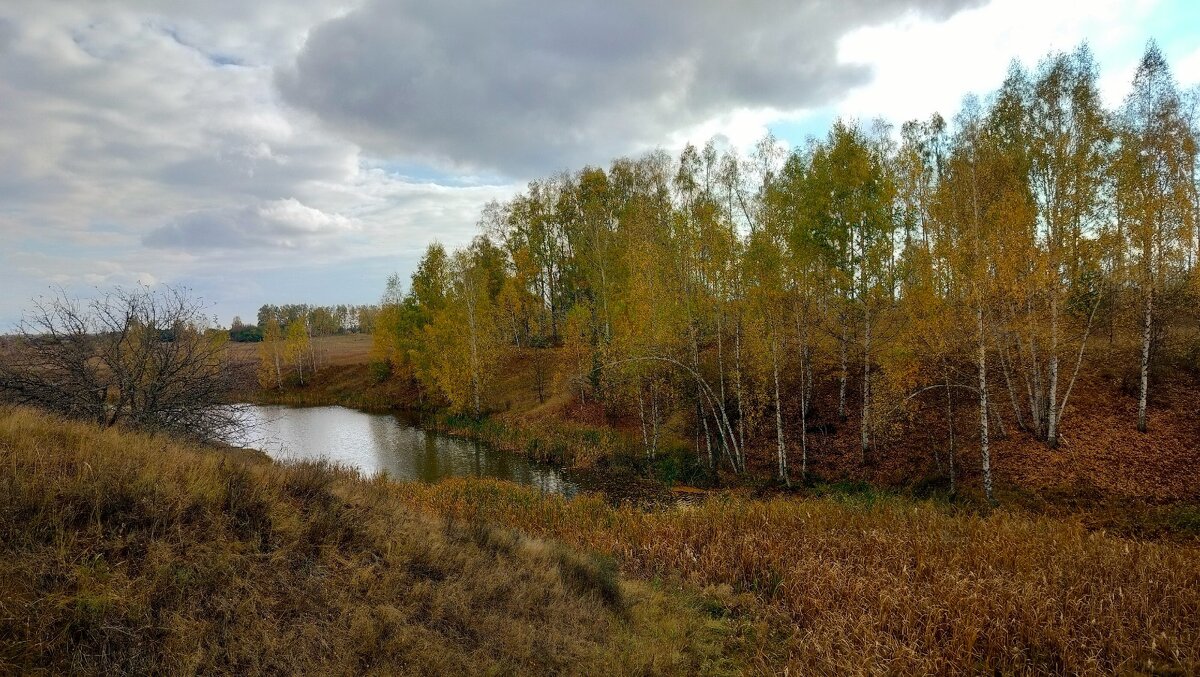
x: 527, y: 85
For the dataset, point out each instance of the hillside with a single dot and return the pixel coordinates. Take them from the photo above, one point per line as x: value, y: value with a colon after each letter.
x: 130, y: 553
x: 125, y: 553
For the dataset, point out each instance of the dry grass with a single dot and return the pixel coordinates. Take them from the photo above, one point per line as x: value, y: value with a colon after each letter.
x: 127, y: 553
x: 337, y: 351
x: 130, y: 553
x: 882, y: 585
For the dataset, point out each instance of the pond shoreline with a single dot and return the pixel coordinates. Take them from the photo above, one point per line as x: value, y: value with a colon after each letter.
x: 399, y: 444
x: 616, y: 482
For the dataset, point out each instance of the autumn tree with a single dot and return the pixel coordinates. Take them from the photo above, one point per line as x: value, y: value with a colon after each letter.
x: 1155, y: 191
x: 144, y: 357
x: 270, y: 355
x: 297, y: 347
x: 461, y: 341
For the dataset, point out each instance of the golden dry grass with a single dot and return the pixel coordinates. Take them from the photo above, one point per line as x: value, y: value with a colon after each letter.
x: 127, y: 553
x: 883, y: 585
x: 131, y: 553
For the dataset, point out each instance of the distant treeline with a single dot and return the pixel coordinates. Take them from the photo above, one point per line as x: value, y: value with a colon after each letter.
x: 318, y: 320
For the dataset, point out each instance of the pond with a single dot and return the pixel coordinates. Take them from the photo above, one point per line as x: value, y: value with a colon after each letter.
x: 374, y: 443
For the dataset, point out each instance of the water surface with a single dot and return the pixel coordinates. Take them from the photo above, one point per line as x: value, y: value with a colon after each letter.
x: 374, y: 443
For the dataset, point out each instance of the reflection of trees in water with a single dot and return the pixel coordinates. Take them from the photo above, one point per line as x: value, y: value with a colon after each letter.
x: 387, y: 439
x: 430, y: 469
x: 379, y: 443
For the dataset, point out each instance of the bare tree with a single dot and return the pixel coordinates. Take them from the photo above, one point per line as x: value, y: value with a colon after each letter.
x: 141, y: 357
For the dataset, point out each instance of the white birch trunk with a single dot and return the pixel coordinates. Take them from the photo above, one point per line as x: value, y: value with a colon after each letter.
x: 984, y: 450
x: 1143, y: 395
x: 783, y: 467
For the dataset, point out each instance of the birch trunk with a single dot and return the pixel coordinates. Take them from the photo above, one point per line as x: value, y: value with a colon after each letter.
x: 1052, y: 396
x: 866, y: 387
x: 783, y: 468
x: 845, y: 338
x: 1143, y: 395
x: 984, y: 450
x: 737, y: 356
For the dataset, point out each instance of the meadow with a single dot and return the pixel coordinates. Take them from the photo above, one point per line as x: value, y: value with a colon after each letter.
x: 136, y: 553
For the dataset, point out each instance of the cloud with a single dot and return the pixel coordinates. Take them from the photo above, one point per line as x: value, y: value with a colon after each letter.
x: 148, y: 135
x: 281, y: 224
x: 209, y: 142
x: 8, y: 33
x: 132, y: 124
x: 915, y: 77
x: 528, y: 86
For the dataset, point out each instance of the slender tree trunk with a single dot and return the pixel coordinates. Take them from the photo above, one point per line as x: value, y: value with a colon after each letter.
x: 953, y: 486
x: 984, y: 450
x: 1012, y: 393
x: 312, y: 348
x: 721, y: 379
x: 949, y: 414
x: 553, y: 301
x: 805, y: 386
x: 721, y: 355
x: 783, y: 468
x: 1147, y: 326
x: 1001, y: 431
x: 845, y: 373
x: 1031, y: 385
x: 737, y: 356
x: 700, y: 417
x: 708, y: 445
x: 1062, y: 408
x: 981, y: 356
x: 604, y: 293
x: 1052, y: 396
x: 866, y: 387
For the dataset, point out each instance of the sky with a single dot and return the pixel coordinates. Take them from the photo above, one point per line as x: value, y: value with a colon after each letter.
x: 289, y: 151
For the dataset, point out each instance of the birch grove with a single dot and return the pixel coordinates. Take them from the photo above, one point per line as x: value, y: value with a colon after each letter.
x: 765, y: 305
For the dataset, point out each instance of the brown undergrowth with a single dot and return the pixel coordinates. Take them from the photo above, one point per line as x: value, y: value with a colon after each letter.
x: 127, y: 553
x: 873, y: 585
x: 130, y: 553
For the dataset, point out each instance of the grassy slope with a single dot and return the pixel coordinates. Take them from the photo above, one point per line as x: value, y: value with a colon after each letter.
x: 129, y: 553
x: 875, y: 584
x: 125, y: 552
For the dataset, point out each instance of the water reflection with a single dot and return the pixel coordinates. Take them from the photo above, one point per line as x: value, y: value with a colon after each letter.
x: 375, y: 443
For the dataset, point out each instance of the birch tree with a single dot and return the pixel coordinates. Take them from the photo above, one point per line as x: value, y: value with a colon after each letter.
x: 1155, y: 187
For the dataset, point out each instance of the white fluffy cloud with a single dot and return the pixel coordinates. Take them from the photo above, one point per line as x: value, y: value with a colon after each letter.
x: 923, y: 66
x: 146, y: 141
x: 276, y: 225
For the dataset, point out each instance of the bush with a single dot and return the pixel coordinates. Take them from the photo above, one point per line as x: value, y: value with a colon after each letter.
x: 379, y: 370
